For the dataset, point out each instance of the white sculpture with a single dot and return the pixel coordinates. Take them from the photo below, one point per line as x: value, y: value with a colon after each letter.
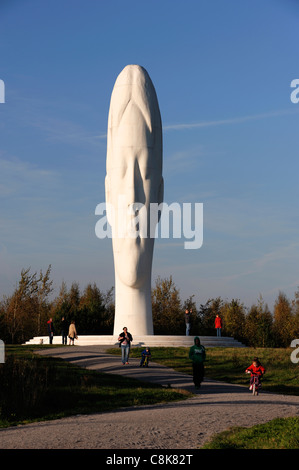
x: 134, y: 180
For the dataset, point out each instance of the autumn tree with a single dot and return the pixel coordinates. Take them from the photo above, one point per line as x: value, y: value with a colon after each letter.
x: 168, y: 314
x: 233, y: 316
x: 92, y: 311
x: 190, y: 304
x: 295, y: 307
x: 74, y: 300
x: 258, y: 325
x: 283, y: 326
x: 107, y: 321
x: 27, y: 308
x: 207, y: 313
x: 44, y: 289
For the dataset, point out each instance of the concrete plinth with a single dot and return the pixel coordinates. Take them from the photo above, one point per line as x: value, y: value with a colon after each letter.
x: 140, y: 341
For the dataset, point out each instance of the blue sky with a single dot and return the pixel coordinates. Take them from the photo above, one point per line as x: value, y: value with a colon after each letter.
x: 222, y: 72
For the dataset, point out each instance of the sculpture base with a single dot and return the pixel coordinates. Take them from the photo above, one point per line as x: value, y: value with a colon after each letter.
x: 142, y: 341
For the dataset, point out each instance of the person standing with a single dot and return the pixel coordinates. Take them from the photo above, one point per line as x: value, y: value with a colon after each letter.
x: 188, y: 321
x: 197, y: 354
x: 125, y: 339
x: 218, y: 325
x: 72, y: 333
x: 51, y: 330
x: 63, y: 327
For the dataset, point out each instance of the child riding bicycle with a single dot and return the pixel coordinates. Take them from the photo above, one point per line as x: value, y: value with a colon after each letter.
x: 256, y: 369
x: 145, y: 357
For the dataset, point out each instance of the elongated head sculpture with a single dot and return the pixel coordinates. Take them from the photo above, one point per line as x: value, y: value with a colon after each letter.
x: 133, y: 181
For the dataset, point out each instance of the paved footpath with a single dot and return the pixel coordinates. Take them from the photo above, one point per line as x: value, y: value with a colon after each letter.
x: 186, y: 424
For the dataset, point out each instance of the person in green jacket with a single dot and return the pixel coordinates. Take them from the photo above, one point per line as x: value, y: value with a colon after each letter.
x: 197, y: 354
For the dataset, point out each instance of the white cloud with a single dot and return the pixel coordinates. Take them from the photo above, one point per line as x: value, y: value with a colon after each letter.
x: 182, y: 161
x: 19, y: 178
x: 221, y: 122
x: 65, y: 131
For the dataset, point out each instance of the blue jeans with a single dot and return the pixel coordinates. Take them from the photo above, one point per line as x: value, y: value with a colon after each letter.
x: 218, y: 331
x: 188, y: 326
x: 125, y: 350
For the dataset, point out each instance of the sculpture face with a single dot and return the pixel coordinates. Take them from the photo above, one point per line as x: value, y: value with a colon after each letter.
x: 129, y: 185
x: 134, y: 172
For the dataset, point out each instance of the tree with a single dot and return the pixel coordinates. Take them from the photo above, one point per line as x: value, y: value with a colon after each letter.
x: 15, y: 317
x: 91, y: 309
x: 168, y: 315
x: 258, y: 326
x: 23, y: 312
x: 62, y: 296
x: 233, y: 315
x: 109, y: 312
x: 60, y: 306
x: 194, y: 321
x: 283, y: 321
x: 43, y: 291
x: 295, y: 307
x: 74, y: 300
x: 207, y: 314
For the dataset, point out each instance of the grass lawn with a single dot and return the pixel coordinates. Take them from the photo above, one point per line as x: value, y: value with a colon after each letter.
x: 280, y: 433
x: 35, y: 388
x: 229, y: 364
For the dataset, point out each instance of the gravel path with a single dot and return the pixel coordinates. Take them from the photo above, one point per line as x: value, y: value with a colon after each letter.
x: 187, y: 424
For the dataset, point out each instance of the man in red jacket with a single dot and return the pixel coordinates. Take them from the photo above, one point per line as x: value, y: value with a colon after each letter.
x: 218, y: 325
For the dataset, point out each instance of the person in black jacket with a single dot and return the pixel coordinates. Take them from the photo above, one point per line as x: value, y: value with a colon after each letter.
x: 125, y: 339
x: 64, y: 330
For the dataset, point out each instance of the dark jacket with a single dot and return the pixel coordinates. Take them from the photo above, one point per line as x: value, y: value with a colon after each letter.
x: 50, y: 327
x: 122, y: 335
x: 63, y: 326
x: 146, y: 353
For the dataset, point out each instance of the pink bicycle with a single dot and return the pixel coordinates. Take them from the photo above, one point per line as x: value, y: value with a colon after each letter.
x: 255, y: 385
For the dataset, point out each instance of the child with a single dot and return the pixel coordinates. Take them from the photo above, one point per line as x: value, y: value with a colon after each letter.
x: 256, y: 368
x: 145, y: 356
